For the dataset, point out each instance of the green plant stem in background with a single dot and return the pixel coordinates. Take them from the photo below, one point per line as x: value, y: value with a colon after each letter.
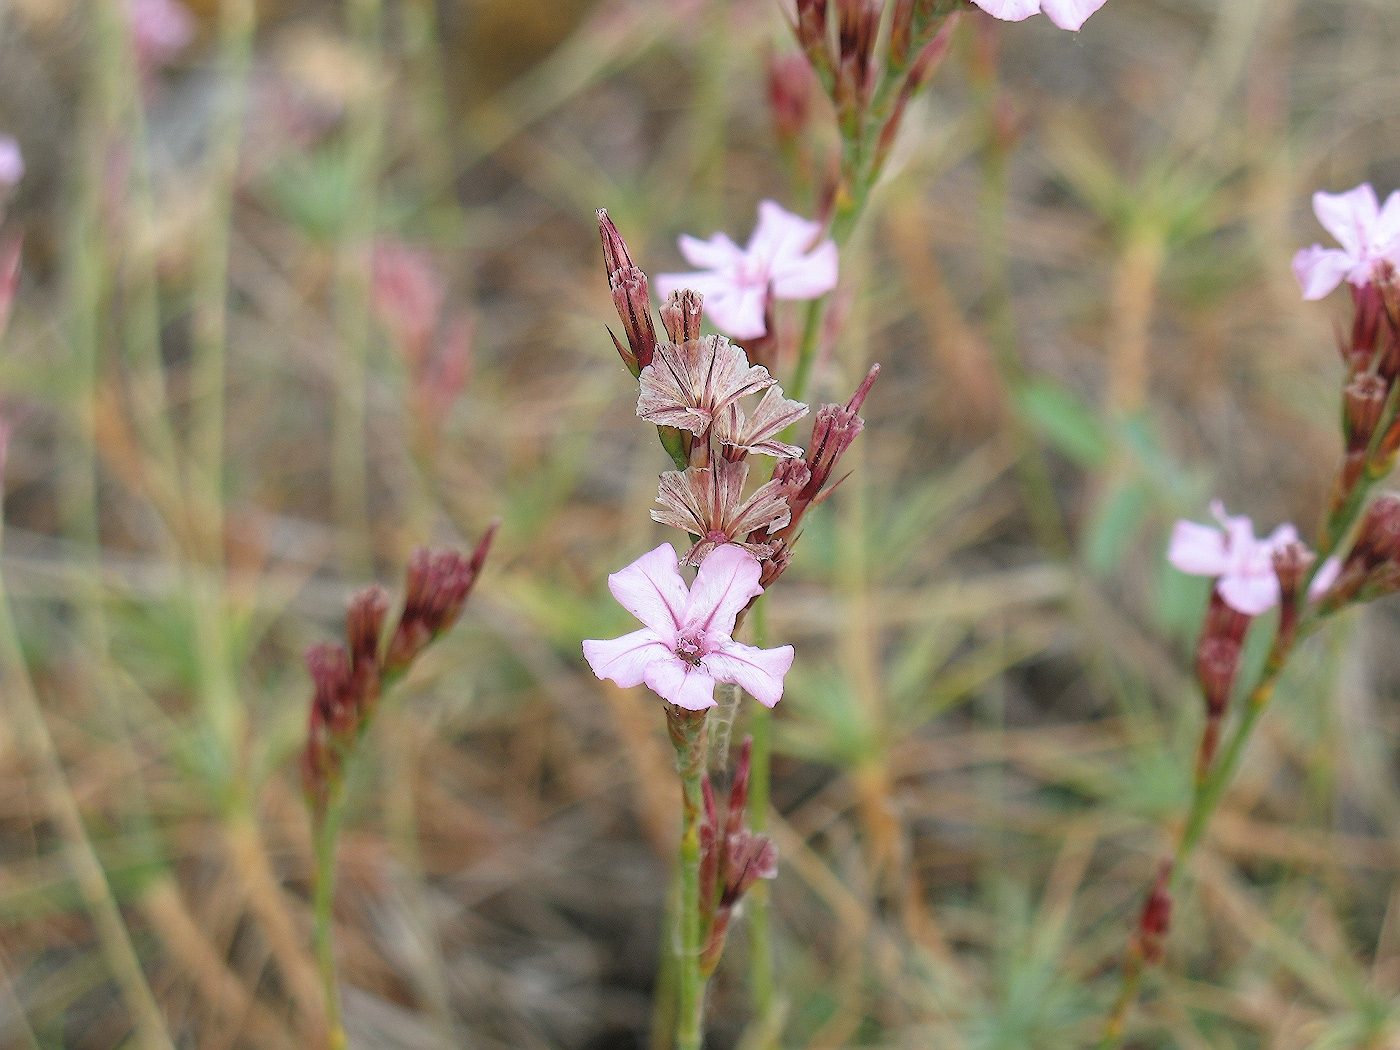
x: 760, y: 916
x: 690, y: 984
x: 349, y: 466
x: 327, y: 834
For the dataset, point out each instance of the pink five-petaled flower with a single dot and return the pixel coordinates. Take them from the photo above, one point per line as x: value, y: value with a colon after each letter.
x: 782, y: 254
x: 685, y: 647
x: 1368, y: 233
x: 1242, y: 564
x: 1067, y: 14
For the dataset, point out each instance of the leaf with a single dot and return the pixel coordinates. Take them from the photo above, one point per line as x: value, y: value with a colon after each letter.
x: 1066, y: 422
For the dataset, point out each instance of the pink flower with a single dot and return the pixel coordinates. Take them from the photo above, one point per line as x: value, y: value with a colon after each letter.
x: 685, y: 647
x: 1067, y: 14
x: 735, y: 281
x: 160, y: 30
x: 11, y: 162
x: 1242, y: 564
x: 1368, y: 233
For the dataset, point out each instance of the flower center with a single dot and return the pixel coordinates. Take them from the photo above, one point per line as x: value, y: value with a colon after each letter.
x: 752, y: 272
x: 688, y: 649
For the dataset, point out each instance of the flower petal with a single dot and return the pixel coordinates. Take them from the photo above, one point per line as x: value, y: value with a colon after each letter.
x: 1327, y: 574
x: 1320, y: 269
x: 1249, y: 593
x: 779, y: 232
x: 652, y: 590
x: 1386, y: 235
x: 715, y: 254
x: 1009, y: 10
x: 806, y: 276
x: 1350, y: 217
x: 759, y: 672
x: 683, y: 685
x: 1198, y: 550
x: 726, y: 582
x: 738, y: 312
x: 1070, y: 14
x: 703, y: 282
x: 625, y: 660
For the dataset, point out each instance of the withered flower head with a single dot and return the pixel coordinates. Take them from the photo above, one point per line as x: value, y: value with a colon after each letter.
x: 689, y: 384
x: 436, y: 589
x: 681, y: 314
x: 756, y: 433
x: 708, y: 503
x: 631, y: 296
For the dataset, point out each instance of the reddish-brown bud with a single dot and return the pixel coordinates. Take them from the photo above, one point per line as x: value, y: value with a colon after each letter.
x: 329, y: 666
x: 9, y: 278
x: 1156, y: 918
x: 709, y: 851
x: 1363, y: 401
x: 811, y: 33
x: 1292, y: 564
x: 790, y: 86
x: 1217, y: 661
x: 631, y: 296
x: 1379, y: 538
x: 436, y: 589
x: 681, y: 315
x: 364, y: 624
x: 835, y: 427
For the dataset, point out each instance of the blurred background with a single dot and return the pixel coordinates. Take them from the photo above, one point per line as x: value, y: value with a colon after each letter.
x: 254, y: 362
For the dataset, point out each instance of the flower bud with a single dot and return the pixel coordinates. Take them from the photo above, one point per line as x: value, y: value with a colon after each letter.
x: 811, y: 34
x: 1379, y: 538
x: 437, y: 588
x: 1363, y: 402
x: 631, y: 297
x: 681, y: 315
x: 1292, y: 563
x: 1156, y: 916
x: 790, y: 84
x: 9, y: 278
x: 835, y: 427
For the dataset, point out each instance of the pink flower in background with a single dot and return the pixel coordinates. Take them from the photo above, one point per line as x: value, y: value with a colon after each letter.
x: 1242, y: 564
x: 11, y: 162
x: 160, y: 30
x: 1067, y: 14
x: 1368, y: 233
x: 782, y: 254
x: 1326, y: 575
x: 685, y: 647
x: 407, y: 295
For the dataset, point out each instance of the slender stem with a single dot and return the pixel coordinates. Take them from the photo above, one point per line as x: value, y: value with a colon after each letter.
x: 691, y: 987
x: 760, y: 915
x: 327, y: 835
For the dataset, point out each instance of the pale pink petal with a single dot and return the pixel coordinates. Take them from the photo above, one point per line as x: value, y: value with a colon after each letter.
x: 780, y: 232
x: 683, y: 685
x: 1280, y: 537
x: 1070, y: 14
x: 703, y: 282
x: 727, y: 580
x: 1386, y: 235
x: 738, y: 313
x: 759, y: 672
x: 652, y: 590
x: 11, y: 162
x: 715, y: 254
x: 1327, y: 575
x: 808, y: 276
x: 1320, y: 269
x: 1009, y: 10
x: 1197, y: 549
x: 1350, y: 217
x: 1250, y: 594
x: 625, y: 660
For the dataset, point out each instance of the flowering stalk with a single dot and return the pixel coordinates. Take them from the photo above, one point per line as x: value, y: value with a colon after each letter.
x: 696, y: 389
x: 348, y: 681
x: 1253, y: 576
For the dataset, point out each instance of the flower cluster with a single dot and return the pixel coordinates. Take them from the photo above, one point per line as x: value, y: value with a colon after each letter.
x: 693, y: 388
x: 347, y: 678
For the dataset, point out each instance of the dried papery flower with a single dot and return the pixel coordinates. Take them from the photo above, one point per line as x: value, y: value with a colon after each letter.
x: 1368, y: 233
x: 790, y: 87
x: 743, y: 435
x: 1067, y: 14
x: 686, y: 646
x: 681, y: 315
x: 708, y: 503
x: 436, y: 589
x: 689, y: 384
x: 630, y: 295
x: 782, y: 254
x: 407, y: 295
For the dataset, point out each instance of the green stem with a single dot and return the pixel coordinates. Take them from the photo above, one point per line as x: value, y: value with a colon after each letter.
x: 691, y: 986
x: 327, y: 834
x: 760, y: 918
